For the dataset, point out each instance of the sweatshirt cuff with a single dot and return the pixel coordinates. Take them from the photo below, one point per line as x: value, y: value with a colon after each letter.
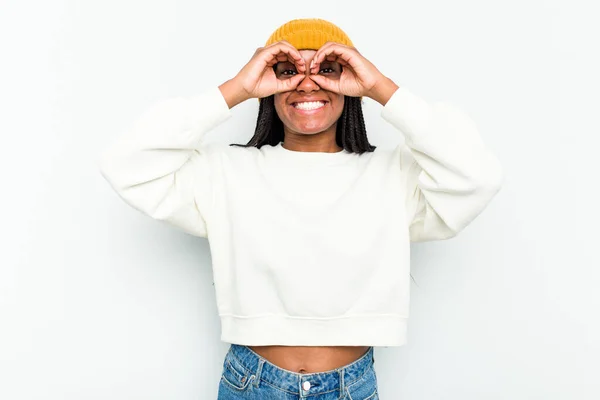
x: 407, y: 111
x: 211, y: 108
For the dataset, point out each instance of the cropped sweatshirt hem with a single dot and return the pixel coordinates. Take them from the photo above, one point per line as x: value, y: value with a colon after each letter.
x: 351, y: 330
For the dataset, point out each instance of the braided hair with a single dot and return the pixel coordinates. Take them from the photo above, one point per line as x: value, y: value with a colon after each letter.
x: 351, y: 133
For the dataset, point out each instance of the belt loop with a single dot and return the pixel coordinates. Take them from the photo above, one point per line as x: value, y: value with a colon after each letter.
x: 261, y: 362
x: 342, y: 385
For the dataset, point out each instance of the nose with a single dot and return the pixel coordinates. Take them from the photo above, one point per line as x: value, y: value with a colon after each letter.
x: 307, y: 84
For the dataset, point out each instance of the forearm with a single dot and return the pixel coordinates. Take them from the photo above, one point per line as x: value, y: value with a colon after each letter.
x: 233, y: 93
x: 383, y: 90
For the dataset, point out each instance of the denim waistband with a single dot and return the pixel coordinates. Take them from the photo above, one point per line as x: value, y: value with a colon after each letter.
x: 320, y: 382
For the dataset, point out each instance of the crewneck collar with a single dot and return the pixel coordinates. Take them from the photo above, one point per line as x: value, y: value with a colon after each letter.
x: 306, y: 159
x: 312, y: 155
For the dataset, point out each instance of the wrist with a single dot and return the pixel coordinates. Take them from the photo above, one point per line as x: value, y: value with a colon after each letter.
x: 233, y: 93
x: 383, y: 90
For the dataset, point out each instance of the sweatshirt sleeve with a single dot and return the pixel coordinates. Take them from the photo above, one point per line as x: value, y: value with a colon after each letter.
x: 161, y: 166
x: 448, y: 174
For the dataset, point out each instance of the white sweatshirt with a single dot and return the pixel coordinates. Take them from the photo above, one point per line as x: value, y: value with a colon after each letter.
x: 308, y: 248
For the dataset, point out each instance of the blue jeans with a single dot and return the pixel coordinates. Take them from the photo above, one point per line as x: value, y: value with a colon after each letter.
x: 247, y: 375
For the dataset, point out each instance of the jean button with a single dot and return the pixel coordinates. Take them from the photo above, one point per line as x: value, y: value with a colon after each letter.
x: 306, y: 385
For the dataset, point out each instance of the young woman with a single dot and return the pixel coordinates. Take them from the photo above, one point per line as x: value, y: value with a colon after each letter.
x: 309, y: 225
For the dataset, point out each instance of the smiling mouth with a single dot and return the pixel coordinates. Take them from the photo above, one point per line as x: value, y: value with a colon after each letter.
x: 309, y: 105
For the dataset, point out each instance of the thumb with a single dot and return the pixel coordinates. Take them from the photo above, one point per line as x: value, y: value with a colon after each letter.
x: 290, y: 84
x: 324, y: 83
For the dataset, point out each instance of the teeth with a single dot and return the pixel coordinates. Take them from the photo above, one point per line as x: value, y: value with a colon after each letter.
x: 309, y: 105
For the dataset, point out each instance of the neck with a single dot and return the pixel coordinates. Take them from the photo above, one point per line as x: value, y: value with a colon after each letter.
x: 321, y: 142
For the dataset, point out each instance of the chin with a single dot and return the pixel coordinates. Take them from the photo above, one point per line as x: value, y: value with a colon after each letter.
x: 309, y: 129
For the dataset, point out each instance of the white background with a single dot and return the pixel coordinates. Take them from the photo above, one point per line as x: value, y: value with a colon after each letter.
x: 100, y: 302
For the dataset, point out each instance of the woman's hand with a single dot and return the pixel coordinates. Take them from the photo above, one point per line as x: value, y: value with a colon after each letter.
x: 257, y: 78
x: 359, y: 76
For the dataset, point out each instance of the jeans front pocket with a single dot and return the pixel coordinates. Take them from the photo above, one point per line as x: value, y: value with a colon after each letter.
x: 364, y: 388
x: 235, y: 375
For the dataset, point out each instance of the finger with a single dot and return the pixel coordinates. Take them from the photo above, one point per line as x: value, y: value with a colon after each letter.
x: 284, y: 51
x: 300, y: 62
x: 326, y: 83
x: 323, y: 51
x: 284, y: 57
x: 281, y: 57
x: 328, y: 44
x: 333, y: 52
x: 343, y: 59
x: 300, y: 69
x: 335, y: 58
x: 286, y: 85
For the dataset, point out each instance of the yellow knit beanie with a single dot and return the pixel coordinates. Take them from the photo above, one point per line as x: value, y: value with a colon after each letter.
x: 309, y: 34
